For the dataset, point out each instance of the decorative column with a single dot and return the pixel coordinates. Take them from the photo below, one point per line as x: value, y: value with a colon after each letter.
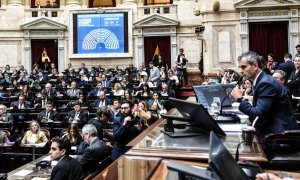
x: 61, y: 51
x: 27, y: 51
x: 244, y: 34
x: 129, y: 1
x: 140, y: 48
x: 294, y: 30
x: 140, y: 2
x: 118, y: 2
x: 173, y: 39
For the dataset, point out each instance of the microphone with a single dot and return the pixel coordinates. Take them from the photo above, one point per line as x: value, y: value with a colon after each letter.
x: 228, y: 117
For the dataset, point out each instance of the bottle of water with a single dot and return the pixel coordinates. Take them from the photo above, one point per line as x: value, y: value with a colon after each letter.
x: 216, y: 104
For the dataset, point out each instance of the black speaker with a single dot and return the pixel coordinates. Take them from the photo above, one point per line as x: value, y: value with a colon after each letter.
x: 54, y: 14
x: 34, y: 14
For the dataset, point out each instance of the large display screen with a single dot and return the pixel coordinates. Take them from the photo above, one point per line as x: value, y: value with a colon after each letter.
x: 100, y: 33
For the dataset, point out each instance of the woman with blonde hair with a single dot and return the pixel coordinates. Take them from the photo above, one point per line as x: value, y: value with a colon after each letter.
x: 34, y: 135
x: 118, y: 91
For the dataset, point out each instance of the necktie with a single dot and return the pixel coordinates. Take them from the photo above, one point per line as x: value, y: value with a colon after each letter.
x: 47, y: 115
x: 43, y: 103
x: 73, y: 94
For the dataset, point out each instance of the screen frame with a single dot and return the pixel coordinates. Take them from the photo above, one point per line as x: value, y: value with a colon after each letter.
x: 73, y: 32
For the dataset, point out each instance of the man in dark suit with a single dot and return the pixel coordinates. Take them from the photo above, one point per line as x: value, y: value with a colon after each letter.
x: 102, y: 100
x: 77, y: 115
x: 67, y: 168
x: 48, y: 114
x: 5, y: 116
x: 125, y: 128
x: 96, y: 152
x: 21, y: 103
x: 270, y: 110
x: 40, y: 102
x: 51, y: 93
x: 96, y: 92
x: 288, y: 66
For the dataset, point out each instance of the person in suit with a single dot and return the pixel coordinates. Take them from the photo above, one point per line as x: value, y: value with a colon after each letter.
x: 74, y: 91
x: 21, y: 103
x: 288, y: 66
x: 94, y: 153
x: 102, y: 100
x: 67, y: 168
x: 49, y: 114
x: 34, y: 135
x: 5, y: 117
x: 181, y: 63
x: 271, y: 110
x: 294, y: 79
x: 105, y: 83
x: 96, y: 92
x: 51, y: 93
x: 40, y: 102
x: 77, y: 115
x: 154, y: 73
x: 125, y: 128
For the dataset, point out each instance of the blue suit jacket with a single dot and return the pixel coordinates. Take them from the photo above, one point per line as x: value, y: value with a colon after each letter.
x: 288, y: 67
x: 106, y: 100
x: 271, y: 105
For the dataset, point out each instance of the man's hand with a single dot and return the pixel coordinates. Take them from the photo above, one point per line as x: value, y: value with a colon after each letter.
x: 126, y: 120
x: 236, y: 93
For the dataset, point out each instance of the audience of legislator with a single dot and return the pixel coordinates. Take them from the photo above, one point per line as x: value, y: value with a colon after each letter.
x: 100, y: 110
x: 39, y: 105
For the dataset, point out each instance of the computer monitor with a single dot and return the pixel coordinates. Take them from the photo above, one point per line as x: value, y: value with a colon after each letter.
x: 205, y: 94
x: 198, y: 115
x: 222, y: 162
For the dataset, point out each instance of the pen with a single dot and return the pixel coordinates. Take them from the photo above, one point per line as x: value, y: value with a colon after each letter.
x: 253, y: 124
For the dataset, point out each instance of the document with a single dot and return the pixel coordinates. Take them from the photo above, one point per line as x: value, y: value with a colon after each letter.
x: 231, y: 127
x: 23, y: 172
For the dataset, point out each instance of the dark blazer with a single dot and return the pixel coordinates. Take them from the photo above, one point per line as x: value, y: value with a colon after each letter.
x: 122, y: 135
x: 7, y: 117
x: 38, y: 102
x: 294, y: 83
x: 288, y: 67
x: 53, y: 115
x: 107, y: 101
x: 94, y: 92
x: 106, y: 84
x: 271, y: 105
x: 16, y: 104
x: 83, y: 116
x: 67, y: 169
x: 92, y: 155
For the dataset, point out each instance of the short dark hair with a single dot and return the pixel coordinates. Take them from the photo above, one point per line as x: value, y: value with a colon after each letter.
x: 125, y: 101
x: 104, y: 111
x: 63, y: 144
x: 298, y: 46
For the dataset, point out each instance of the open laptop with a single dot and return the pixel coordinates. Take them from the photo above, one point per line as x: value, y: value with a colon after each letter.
x: 198, y: 115
x: 206, y: 93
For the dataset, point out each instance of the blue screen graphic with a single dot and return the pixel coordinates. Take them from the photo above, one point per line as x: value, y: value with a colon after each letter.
x: 100, y: 33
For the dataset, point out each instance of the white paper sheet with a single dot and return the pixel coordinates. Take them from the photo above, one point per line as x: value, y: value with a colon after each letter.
x: 23, y: 172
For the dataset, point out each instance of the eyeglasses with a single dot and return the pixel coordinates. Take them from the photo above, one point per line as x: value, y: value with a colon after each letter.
x: 124, y: 107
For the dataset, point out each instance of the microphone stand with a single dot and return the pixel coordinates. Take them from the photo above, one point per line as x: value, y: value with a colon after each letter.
x: 228, y: 117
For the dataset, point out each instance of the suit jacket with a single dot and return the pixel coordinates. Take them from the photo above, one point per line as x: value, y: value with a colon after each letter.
x: 16, y: 104
x: 95, y: 92
x: 38, y: 102
x: 107, y: 101
x: 53, y: 115
x: 7, y: 117
x: 294, y: 83
x: 67, y: 169
x: 92, y: 155
x: 70, y: 93
x: 288, y: 67
x: 83, y: 116
x: 271, y: 105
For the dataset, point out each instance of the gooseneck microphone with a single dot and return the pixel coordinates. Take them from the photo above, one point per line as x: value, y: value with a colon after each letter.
x: 228, y: 117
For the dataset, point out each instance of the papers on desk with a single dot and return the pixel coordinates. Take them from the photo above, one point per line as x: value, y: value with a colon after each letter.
x: 39, y: 178
x: 23, y: 172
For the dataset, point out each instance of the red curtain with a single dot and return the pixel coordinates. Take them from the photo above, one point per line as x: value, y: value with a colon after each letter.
x: 37, y: 47
x: 269, y: 37
x: 150, y: 44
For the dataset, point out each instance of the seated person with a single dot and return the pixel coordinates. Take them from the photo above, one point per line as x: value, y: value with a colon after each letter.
x: 3, y: 137
x: 41, y: 78
x: 51, y: 93
x: 73, y: 135
x: 102, y: 100
x: 48, y: 115
x: 34, y: 135
x: 83, y: 80
x: 94, y: 153
x: 21, y: 103
x: 74, y: 91
x: 101, y: 121
x: 82, y: 100
x: 96, y: 92
x: 40, y: 102
x: 117, y: 91
x: 67, y: 168
x: 156, y: 103
x: 166, y: 91
x: 141, y: 110
x: 77, y: 115
x: 4, y: 116
x: 145, y: 92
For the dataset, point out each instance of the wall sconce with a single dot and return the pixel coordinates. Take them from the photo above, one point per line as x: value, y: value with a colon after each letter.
x: 216, y: 6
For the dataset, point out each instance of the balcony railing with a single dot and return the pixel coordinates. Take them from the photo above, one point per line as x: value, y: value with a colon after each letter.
x: 46, y: 12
